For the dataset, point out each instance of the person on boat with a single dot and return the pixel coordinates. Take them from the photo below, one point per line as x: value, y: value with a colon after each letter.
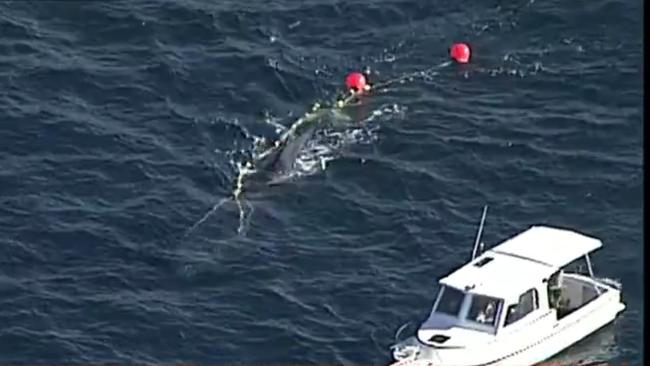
x: 487, y: 315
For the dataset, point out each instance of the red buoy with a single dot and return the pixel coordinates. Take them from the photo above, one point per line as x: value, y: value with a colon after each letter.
x: 460, y: 52
x: 356, y: 81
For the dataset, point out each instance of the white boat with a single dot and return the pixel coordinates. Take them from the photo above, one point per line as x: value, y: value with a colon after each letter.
x: 517, y: 304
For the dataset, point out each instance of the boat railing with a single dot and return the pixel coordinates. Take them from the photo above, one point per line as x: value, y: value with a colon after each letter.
x: 610, y: 282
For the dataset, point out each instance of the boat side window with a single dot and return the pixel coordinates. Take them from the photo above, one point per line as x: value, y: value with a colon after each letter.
x: 450, y: 301
x: 483, y: 309
x: 528, y: 302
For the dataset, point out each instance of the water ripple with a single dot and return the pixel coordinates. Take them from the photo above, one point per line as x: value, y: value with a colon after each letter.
x: 124, y: 121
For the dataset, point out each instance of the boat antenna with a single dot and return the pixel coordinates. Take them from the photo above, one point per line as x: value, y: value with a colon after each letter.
x: 480, y: 231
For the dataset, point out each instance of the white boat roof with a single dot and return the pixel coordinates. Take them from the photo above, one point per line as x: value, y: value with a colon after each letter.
x: 552, y: 246
x: 505, y: 276
x: 521, y: 262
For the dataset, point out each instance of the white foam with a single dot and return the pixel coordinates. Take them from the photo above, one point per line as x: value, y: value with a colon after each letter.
x: 326, y: 145
x: 329, y: 143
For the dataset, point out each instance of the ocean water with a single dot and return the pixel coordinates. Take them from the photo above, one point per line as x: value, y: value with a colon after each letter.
x: 123, y: 123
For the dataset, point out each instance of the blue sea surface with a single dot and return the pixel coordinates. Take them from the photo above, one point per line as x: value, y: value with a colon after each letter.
x: 123, y: 124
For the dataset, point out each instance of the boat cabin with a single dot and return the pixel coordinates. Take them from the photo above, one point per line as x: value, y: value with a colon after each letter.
x: 519, y: 278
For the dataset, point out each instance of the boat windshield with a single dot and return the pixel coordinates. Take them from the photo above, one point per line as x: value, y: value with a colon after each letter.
x: 450, y: 301
x: 468, y: 310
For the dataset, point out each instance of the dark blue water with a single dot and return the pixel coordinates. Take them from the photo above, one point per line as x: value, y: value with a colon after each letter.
x: 123, y: 123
